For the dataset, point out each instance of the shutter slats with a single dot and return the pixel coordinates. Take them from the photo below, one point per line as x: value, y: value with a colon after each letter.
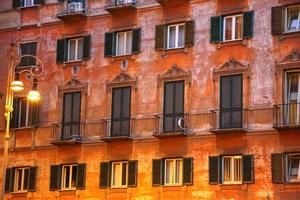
x: 248, y: 169
x: 214, y: 163
x: 277, y: 168
x: 187, y: 171
x: 132, y: 173
x: 104, y: 175
x: 277, y: 20
x: 32, y: 179
x: 160, y: 35
x: 7, y: 179
x: 61, y: 50
x: 86, y: 47
x: 109, y: 44
x: 81, y: 176
x: 136, y: 40
x: 189, y: 33
x: 157, y: 176
x: 55, y: 175
x: 216, y: 29
x: 248, y: 21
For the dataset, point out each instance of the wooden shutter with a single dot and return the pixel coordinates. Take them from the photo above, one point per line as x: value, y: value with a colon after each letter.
x: 157, y: 172
x: 132, y: 173
x: 8, y: 179
x: 216, y: 29
x: 277, y: 20
x: 248, y: 169
x: 277, y: 168
x: 109, y: 44
x: 160, y: 37
x: 32, y: 179
x: 39, y: 2
x: 189, y: 33
x: 248, y: 19
x: 136, y: 40
x: 187, y: 171
x: 86, y: 47
x: 61, y: 50
x: 16, y: 3
x: 15, y: 114
x: 55, y: 177
x: 104, y: 175
x: 34, y: 113
x: 214, y: 170
x: 81, y: 176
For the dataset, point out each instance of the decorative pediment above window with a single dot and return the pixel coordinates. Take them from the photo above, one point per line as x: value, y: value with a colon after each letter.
x: 73, y: 85
x: 122, y: 79
x: 231, y: 67
x: 175, y: 73
x: 292, y: 60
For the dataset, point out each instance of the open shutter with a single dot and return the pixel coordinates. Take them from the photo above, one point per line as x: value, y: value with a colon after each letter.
x: 39, y: 2
x: 277, y: 20
x: 16, y: 3
x: 55, y: 177
x: 214, y: 175
x: 81, y: 175
x: 136, y: 40
x: 160, y: 36
x: 8, y: 179
x: 248, y: 169
x: 32, y: 179
x: 216, y: 29
x: 34, y: 113
x: 157, y: 174
x: 14, y: 118
x: 248, y: 24
x: 189, y: 33
x: 86, y: 47
x: 132, y: 173
x: 109, y: 44
x: 187, y: 171
x: 12, y: 179
x: 104, y: 175
x: 61, y: 50
x: 277, y: 168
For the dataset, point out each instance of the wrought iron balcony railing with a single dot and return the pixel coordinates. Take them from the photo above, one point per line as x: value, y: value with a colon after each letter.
x: 116, y: 129
x: 74, y: 11
x: 121, y: 5
x: 286, y: 116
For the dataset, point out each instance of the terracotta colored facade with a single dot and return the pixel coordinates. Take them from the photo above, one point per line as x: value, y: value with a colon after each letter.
x: 262, y: 60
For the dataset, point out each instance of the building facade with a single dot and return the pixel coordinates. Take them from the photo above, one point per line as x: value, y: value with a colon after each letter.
x: 154, y: 99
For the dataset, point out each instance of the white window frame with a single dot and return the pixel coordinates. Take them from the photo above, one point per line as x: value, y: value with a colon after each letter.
x: 287, y: 99
x: 76, y: 49
x: 286, y: 24
x: 30, y: 1
x: 63, y: 177
x: 232, y: 169
x: 125, y: 43
x: 174, y: 170
x: 287, y: 167
x: 232, y: 28
x: 16, y: 179
x: 120, y: 175
x: 176, y: 36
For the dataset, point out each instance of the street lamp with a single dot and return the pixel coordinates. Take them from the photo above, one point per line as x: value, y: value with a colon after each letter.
x: 14, y: 85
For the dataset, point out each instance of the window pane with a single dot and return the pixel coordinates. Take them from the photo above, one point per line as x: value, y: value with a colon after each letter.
x: 181, y: 36
x: 178, y: 174
x: 72, y: 47
x: 129, y: 43
x: 293, y: 168
x: 74, y: 176
x: 116, y: 174
x: 120, y: 44
x: 293, y: 18
x: 227, y: 169
x: 80, y: 49
x: 67, y: 176
x: 237, y: 169
x: 169, y: 171
x: 238, y: 27
x: 172, y: 35
x: 19, y: 179
x: 27, y: 2
x: 26, y: 175
x: 228, y: 28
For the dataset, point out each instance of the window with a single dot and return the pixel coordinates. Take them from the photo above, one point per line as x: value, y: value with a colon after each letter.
x: 292, y: 108
x: 232, y: 169
x: 121, y: 2
x: 28, y: 49
x: 292, y: 18
x: 233, y: 26
x: 173, y: 171
x: 124, y: 43
x: 119, y: 174
x: 69, y: 177
x: 176, y: 36
x: 293, y: 167
x: 21, y: 179
x: 27, y: 3
x: 75, y: 49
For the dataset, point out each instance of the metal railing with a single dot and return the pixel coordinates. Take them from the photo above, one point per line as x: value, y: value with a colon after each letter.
x: 65, y: 9
x: 122, y: 3
x: 286, y: 115
x: 119, y: 128
x: 171, y: 124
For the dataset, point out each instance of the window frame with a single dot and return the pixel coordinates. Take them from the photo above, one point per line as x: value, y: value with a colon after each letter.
x: 63, y: 177
x: 172, y: 183
x: 28, y: 113
x: 286, y: 22
x: 113, y: 175
x: 125, y: 43
x: 76, y: 49
x: 25, y: 6
x: 232, y: 170
x: 233, y: 31
x: 16, y: 179
x: 176, y: 36
x: 287, y: 168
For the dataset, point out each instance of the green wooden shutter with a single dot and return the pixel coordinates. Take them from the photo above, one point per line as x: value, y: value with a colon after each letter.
x: 16, y: 3
x: 216, y: 31
x: 248, y: 21
x: 55, y: 177
x: 8, y: 179
x: 109, y: 44
x: 277, y: 168
x: 160, y: 37
x: 104, y: 174
x: 136, y: 40
x: 214, y: 171
x: 248, y: 169
x: 189, y: 33
x: 187, y: 171
x: 157, y: 174
x: 132, y: 173
x: 86, y: 47
x: 32, y: 179
x: 81, y: 176
x: 61, y: 50
x: 277, y: 20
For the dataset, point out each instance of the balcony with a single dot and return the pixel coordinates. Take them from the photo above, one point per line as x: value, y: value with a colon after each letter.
x: 172, y: 2
x: 171, y: 125
x: 286, y: 116
x: 233, y: 120
x: 71, y: 12
x: 117, y: 6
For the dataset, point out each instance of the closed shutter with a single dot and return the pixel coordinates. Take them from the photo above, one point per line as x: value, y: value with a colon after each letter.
x: 28, y: 49
x: 277, y: 20
x: 248, y: 169
x: 81, y: 175
x: 16, y: 3
x: 189, y: 33
x: 86, y: 47
x: 216, y: 29
x: 32, y: 179
x: 248, y: 24
x: 277, y: 168
x: 214, y: 171
x: 61, y: 50
x: 136, y: 40
x: 8, y: 179
x: 109, y: 44
x: 157, y: 172
x: 160, y: 37
x: 187, y: 171
x: 55, y: 177
x: 34, y: 109
x: 39, y: 2
x: 132, y: 173
x: 15, y: 114
x: 104, y: 175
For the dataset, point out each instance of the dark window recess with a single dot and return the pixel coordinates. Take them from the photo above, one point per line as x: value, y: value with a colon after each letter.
x: 173, y: 105
x: 71, y: 115
x: 277, y: 163
x: 28, y: 49
x: 231, y: 113
x: 277, y: 20
x: 120, y: 119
